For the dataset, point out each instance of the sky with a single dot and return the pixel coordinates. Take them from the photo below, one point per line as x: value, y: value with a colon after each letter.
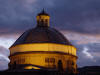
x: 78, y: 20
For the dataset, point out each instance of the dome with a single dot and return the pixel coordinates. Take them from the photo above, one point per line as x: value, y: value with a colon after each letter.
x: 43, y: 47
x: 42, y: 35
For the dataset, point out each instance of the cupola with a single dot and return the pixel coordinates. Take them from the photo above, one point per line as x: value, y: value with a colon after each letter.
x: 43, y: 19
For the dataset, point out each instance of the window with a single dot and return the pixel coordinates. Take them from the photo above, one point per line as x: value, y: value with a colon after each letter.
x: 72, y: 63
x: 69, y: 62
x: 50, y: 62
x: 46, y: 21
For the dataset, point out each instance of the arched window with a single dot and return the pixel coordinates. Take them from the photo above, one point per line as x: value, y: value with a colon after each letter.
x: 14, y: 65
x: 46, y: 21
x: 42, y: 21
x: 60, y: 65
x: 72, y: 63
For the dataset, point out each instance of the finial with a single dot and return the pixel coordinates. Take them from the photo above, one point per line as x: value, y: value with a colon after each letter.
x: 43, y: 13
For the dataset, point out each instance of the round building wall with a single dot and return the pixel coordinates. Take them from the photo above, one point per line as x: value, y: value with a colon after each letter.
x: 43, y: 47
x: 50, y: 60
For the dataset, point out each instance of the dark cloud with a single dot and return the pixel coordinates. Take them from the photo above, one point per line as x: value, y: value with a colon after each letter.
x: 88, y: 54
x: 94, y: 47
x: 78, y: 16
x: 72, y: 15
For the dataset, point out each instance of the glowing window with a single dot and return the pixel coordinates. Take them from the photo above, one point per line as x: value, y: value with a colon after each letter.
x: 50, y: 60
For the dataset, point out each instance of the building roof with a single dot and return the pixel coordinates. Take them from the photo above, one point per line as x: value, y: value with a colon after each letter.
x: 43, y: 13
x: 42, y: 35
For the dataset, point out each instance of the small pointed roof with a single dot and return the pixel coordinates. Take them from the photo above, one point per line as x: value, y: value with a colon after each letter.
x: 43, y: 13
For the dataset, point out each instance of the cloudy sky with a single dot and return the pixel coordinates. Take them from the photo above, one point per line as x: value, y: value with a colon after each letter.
x: 78, y: 20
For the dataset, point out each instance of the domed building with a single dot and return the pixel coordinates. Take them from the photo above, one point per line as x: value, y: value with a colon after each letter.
x: 43, y: 47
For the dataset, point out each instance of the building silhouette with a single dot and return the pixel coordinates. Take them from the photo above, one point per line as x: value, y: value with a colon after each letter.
x: 89, y: 70
x: 43, y: 48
